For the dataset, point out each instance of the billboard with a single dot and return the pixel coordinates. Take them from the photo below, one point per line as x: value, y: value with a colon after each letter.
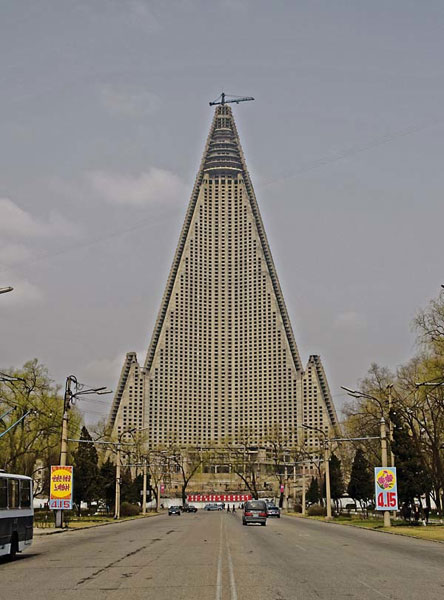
x: 219, y: 497
x: 61, y: 488
x: 386, y: 488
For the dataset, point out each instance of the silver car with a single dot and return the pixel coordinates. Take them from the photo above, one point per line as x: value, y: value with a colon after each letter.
x: 273, y: 511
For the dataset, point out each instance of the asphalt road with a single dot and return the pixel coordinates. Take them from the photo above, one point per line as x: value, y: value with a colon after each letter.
x: 211, y: 556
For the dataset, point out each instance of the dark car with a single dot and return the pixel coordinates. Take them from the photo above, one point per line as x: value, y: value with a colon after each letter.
x: 189, y: 508
x: 273, y: 511
x: 174, y: 510
x: 255, y: 511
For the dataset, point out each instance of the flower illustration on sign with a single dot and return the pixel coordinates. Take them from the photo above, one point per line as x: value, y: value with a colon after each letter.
x: 386, y: 479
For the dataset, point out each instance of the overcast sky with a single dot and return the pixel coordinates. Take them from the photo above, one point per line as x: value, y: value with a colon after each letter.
x: 103, y: 118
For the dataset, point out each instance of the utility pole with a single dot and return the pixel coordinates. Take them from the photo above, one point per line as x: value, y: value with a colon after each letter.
x: 326, y: 464
x: 66, y: 407
x: 64, y: 440
x: 392, y: 456
x: 384, y: 461
x: 117, y: 498
x: 285, y: 502
x: 144, y: 488
x: 327, y: 477
x: 68, y: 399
x: 303, y: 491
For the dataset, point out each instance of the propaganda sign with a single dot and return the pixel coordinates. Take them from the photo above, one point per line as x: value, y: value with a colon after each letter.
x: 61, y: 488
x: 219, y: 497
x: 386, y: 488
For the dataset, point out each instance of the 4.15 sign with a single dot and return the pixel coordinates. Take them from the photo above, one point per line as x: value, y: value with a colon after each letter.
x: 386, y: 489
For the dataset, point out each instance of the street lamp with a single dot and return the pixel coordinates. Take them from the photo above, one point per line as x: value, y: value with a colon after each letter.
x: 327, y: 466
x: 5, y: 290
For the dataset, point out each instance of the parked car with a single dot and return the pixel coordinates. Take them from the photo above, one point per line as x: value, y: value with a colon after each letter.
x: 273, y: 511
x: 174, y: 510
x: 213, y: 506
x: 189, y: 508
x: 255, y: 511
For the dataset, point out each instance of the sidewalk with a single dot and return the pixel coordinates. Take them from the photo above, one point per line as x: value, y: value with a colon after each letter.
x: 433, y: 533
x: 79, y: 526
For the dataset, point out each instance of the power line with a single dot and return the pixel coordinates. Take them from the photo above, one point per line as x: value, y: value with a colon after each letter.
x: 316, y: 164
x: 352, y: 151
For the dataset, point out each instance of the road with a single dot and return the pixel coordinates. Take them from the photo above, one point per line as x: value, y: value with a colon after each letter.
x: 211, y: 556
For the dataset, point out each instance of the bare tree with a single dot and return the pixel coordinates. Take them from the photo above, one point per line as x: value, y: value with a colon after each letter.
x: 186, y: 461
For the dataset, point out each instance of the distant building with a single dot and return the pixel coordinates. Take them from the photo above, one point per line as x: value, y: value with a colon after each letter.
x: 223, y: 363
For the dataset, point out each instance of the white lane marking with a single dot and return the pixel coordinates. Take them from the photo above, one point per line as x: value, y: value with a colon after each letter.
x: 219, y: 565
x: 231, y: 572
x: 370, y: 587
x: 300, y: 547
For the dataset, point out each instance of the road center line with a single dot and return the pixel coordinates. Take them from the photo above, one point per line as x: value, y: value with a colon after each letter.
x: 370, y: 587
x: 300, y: 547
x: 219, y: 564
x: 231, y: 572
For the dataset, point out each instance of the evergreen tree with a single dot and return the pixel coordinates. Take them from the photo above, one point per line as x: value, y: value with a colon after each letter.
x: 312, y: 496
x: 131, y: 489
x: 336, y: 480
x: 360, y: 486
x: 411, y: 475
x: 107, y: 479
x: 86, y: 471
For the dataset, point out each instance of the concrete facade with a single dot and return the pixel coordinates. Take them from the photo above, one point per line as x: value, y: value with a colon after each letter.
x: 223, y: 363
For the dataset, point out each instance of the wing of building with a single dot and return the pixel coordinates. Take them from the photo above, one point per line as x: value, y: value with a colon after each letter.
x: 223, y: 361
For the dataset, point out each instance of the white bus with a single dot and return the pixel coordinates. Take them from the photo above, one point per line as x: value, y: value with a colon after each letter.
x: 16, y: 513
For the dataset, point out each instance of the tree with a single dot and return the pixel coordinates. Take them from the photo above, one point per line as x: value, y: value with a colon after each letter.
x: 360, y: 487
x: 107, y: 479
x: 33, y: 444
x: 186, y: 462
x: 336, y: 480
x: 86, y: 471
x: 313, y: 495
x: 411, y: 475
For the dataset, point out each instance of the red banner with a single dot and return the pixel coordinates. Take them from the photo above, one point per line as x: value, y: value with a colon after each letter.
x: 219, y: 497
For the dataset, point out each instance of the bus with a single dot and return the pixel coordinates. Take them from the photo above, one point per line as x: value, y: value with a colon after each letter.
x: 16, y: 513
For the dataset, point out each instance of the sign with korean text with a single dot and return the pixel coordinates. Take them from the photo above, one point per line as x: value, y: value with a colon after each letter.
x: 386, y: 488
x: 61, y: 488
x: 219, y: 497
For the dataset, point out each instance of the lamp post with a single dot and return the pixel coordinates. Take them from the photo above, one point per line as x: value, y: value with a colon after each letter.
x: 5, y: 290
x: 327, y: 466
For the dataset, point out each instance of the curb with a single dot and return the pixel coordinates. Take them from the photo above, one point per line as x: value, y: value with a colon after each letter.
x: 68, y: 530
x: 406, y: 535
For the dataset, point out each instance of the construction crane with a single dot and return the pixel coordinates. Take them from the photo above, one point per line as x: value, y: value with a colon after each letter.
x: 222, y: 99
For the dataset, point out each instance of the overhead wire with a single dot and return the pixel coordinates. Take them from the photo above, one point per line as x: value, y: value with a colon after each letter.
x: 317, y: 163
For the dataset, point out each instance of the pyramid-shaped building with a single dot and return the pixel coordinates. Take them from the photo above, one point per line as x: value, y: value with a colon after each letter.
x: 223, y: 362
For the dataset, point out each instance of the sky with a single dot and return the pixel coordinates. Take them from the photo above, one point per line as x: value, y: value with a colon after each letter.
x: 103, y: 119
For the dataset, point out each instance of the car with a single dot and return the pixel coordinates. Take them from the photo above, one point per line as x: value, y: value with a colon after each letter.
x: 213, y: 506
x: 189, y: 508
x: 273, y: 511
x: 174, y: 510
x: 255, y: 511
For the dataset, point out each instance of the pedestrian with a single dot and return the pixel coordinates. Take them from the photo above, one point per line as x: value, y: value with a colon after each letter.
x: 228, y: 508
x: 416, y: 513
x: 426, y: 514
x: 234, y: 508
